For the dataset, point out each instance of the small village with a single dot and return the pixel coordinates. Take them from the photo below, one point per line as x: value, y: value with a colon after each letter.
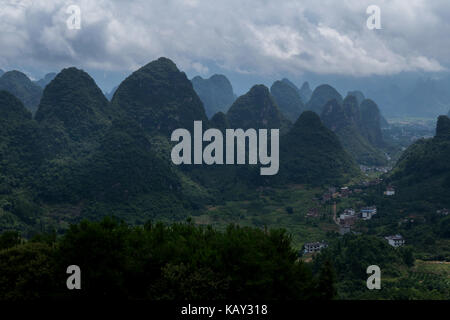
x: 348, y: 217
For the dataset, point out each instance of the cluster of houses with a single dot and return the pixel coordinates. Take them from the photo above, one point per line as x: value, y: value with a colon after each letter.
x: 442, y: 212
x: 334, y: 193
x: 313, y: 247
x: 373, y: 182
x: 349, y: 217
x: 367, y: 169
x: 345, y: 192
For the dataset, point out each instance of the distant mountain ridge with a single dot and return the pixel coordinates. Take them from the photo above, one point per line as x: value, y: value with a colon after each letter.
x: 215, y: 92
x: 356, y: 121
x: 257, y: 109
x: 345, y: 120
x: 46, y: 80
x: 89, y: 157
x: 305, y: 92
x: 110, y: 95
x: 320, y: 96
x: 311, y: 153
x: 288, y: 99
x: 22, y: 87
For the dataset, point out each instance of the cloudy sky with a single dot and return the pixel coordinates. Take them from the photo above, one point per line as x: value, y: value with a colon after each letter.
x: 251, y: 38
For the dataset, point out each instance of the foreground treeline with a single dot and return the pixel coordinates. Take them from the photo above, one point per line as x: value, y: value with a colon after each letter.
x: 159, y: 262
x: 401, y: 277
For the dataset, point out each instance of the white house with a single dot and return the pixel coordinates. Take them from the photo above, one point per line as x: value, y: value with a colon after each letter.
x: 389, y: 191
x: 311, y: 247
x: 368, y: 212
x: 396, y: 240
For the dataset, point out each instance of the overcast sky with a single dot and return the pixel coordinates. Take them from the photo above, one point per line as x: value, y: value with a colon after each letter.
x: 257, y: 38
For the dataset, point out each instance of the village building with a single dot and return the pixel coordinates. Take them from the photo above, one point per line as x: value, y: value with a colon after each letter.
x: 395, y: 240
x: 368, y: 212
x: 347, y: 218
x: 345, y: 191
x: 390, y: 191
x: 311, y: 247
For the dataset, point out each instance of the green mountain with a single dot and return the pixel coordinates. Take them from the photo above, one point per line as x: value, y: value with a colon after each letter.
x: 74, y: 105
x: 320, y: 96
x: 345, y: 120
x: 311, y: 153
x: 304, y: 92
x: 371, y: 120
x: 423, y: 170
x: 256, y: 109
x: 288, y: 99
x: 12, y: 111
x: 443, y: 128
x: 160, y: 98
x: 46, y: 80
x: 220, y: 121
x: 216, y: 93
x: 290, y: 83
x: 126, y: 165
x: 18, y: 134
x: 360, y: 98
x: 358, y: 95
x: 22, y: 87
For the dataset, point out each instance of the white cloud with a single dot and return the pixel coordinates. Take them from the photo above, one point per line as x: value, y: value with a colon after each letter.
x: 259, y: 37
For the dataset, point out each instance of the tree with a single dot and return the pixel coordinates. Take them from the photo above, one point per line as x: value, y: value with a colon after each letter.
x: 326, y: 282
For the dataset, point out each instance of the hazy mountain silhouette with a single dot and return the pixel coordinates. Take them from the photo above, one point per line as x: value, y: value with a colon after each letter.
x: 216, y: 93
x: 320, y: 96
x: 46, y: 80
x: 305, y: 92
x: 371, y: 121
x: 346, y: 121
x: 110, y: 95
